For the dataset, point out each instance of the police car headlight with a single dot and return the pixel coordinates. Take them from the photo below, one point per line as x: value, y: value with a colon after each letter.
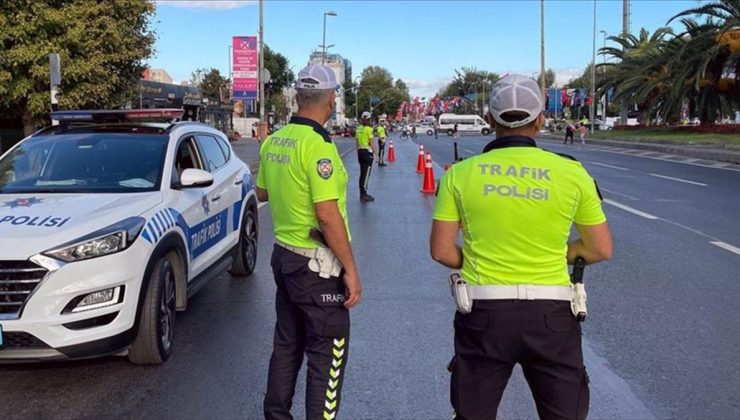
x: 98, y: 247
x: 109, y: 240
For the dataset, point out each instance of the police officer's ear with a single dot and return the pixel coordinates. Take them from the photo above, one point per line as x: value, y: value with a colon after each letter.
x: 332, y: 101
x: 489, y: 119
x: 539, y: 122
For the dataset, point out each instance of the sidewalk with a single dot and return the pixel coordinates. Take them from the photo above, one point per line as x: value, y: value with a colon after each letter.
x: 720, y: 153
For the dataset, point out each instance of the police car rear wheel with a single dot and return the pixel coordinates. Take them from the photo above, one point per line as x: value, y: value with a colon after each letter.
x: 153, y: 344
x: 246, y: 258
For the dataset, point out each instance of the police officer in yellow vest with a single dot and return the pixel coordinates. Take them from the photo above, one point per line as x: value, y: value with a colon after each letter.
x: 304, y: 179
x: 381, y: 145
x: 365, y: 152
x: 515, y: 204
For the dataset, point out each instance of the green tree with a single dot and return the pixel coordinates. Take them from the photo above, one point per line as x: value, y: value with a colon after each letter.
x: 638, y: 72
x: 472, y: 84
x: 711, y: 57
x: 378, y: 90
x: 549, y: 78
x: 280, y: 77
x: 211, y: 83
x: 102, y: 47
x: 582, y: 81
x: 350, y: 95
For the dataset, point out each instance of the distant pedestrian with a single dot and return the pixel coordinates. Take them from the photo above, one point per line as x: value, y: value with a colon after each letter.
x: 582, y: 133
x: 435, y: 127
x: 569, y: 130
x: 454, y: 131
x: 413, y: 130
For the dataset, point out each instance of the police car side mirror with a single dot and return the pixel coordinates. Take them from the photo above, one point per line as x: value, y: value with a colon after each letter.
x: 194, y: 178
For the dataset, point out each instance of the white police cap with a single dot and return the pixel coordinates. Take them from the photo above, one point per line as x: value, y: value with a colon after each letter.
x: 516, y: 93
x: 316, y: 77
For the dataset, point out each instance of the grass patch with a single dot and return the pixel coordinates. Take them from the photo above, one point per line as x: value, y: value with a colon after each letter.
x: 663, y: 136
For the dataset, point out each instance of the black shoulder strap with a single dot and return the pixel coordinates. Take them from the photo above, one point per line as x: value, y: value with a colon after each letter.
x: 563, y: 155
x: 317, y: 128
x: 509, y: 141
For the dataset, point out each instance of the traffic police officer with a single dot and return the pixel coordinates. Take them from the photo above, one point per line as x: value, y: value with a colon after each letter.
x: 365, y: 152
x: 515, y: 204
x: 381, y: 145
x: 304, y: 179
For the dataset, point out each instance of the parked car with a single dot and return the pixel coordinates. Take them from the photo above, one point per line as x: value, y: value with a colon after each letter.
x: 108, y: 225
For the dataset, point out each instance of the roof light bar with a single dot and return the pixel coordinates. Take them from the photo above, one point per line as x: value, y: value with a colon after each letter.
x: 112, y: 116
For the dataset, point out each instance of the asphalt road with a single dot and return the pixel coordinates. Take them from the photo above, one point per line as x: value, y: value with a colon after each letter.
x: 661, y: 339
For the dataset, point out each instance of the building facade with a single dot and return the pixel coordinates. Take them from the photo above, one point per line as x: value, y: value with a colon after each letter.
x: 156, y: 75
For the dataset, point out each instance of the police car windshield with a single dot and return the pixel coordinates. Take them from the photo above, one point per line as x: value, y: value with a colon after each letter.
x: 85, y: 163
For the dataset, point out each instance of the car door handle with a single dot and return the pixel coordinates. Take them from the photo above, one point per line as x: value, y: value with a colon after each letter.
x: 216, y: 198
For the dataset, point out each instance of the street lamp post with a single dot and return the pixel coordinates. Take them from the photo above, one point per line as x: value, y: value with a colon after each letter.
x: 593, y: 73
x: 261, y: 79
x: 323, y: 44
x: 357, y: 95
x: 231, y: 88
x: 606, y: 95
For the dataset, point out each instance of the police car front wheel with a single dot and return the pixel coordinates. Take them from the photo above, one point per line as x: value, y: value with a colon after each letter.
x: 246, y: 257
x: 153, y: 344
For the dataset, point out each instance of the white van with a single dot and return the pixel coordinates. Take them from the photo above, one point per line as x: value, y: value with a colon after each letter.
x: 466, y: 124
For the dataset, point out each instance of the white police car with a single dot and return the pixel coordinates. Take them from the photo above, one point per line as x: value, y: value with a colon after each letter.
x: 107, y: 226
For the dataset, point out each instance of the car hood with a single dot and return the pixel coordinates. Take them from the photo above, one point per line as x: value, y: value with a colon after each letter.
x: 34, y: 223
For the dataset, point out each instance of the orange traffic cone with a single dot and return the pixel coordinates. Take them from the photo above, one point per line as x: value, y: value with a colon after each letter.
x: 428, y: 186
x: 420, y: 160
x: 391, y: 152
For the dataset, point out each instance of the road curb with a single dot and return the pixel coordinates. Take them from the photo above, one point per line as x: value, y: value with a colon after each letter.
x: 706, y: 152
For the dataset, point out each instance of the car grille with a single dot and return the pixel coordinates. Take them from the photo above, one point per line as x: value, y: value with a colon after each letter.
x: 18, y: 279
x: 22, y: 340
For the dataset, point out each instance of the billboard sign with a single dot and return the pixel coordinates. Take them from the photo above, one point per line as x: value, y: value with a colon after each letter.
x: 245, y: 63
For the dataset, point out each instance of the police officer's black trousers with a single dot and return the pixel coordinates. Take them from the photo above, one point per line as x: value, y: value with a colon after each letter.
x: 381, y: 151
x: 365, y: 159
x: 311, y: 319
x: 541, y: 335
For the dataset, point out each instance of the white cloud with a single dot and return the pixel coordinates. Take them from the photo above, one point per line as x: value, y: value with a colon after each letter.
x: 207, y: 4
x: 426, y: 88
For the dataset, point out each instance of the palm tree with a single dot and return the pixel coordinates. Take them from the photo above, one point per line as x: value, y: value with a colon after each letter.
x: 639, y: 72
x: 713, y: 50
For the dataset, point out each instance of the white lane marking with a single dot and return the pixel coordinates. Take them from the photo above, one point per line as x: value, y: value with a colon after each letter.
x: 441, y: 168
x: 679, y: 180
x: 722, y: 165
x: 630, y: 209
x: 609, y: 166
x: 471, y: 151
x: 673, y: 159
x: 726, y: 246
x: 617, y: 193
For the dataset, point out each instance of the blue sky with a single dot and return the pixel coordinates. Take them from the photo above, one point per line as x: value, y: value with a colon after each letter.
x: 421, y: 42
